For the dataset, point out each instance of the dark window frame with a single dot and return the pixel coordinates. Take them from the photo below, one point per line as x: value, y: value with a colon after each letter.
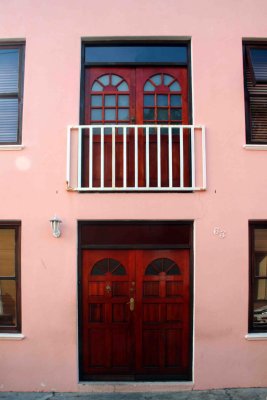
x: 132, y: 42
x: 252, y: 279
x: 249, y: 71
x: 20, y: 46
x: 16, y: 225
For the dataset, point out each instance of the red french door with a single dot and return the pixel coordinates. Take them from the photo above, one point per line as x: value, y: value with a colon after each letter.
x: 136, y: 95
x: 135, y: 316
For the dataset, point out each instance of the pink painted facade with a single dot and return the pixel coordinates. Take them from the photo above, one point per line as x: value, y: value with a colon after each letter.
x: 33, y: 186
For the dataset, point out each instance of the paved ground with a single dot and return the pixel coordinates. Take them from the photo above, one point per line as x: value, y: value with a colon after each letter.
x: 224, y: 394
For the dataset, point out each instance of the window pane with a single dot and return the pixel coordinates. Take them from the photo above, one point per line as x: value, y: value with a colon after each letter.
x: 176, y: 114
x: 162, y: 100
x: 260, y: 239
x: 115, y: 79
x: 96, y: 115
x: 261, y: 265
x: 123, y: 87
x: 110, y: 100
x: 149, y: 113
x: 97, y: 87
x: 96, y: 101
x: 8, y: 120
x: 156, y: 79
x: 176, y: 100
x: 9, y: 70
x: 162, y: 114
x: 149, y: 100
x: 7, y: 303
x: 7, y: 252
x: 110, y: 115
x: 104, y: 80
x: 259, y: 64
x: 123, y: 114
x: 175, y: 87
x: 260, y: 313
x: 136, y: 53
x: 149, y: 87
x: 167, y: 79
x: 123, y: 100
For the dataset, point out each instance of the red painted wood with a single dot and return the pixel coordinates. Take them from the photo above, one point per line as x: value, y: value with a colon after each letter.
x: 151, y: 340
x: 136, y: 79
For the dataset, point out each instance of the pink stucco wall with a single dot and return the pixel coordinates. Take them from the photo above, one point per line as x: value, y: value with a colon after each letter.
x: 32, y: 183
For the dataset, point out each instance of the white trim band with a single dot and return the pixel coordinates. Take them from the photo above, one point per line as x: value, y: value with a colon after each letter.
x: 256, y: 336
x: 255, y: 146
x: 11, y: 336
x: 11, y: 147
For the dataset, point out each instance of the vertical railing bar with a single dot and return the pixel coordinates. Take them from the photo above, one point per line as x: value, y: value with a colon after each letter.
x: 102, y: 157
x: 147, y: 156
x: 124, y: 157
x: 204, y: 167
x: 136, y: 157
x: 79, y: 169
x: 193, y: 157
x: 181, y: 133
x: 68, y: 156
x: 113, y: 157
x: 159, y: 156
x: 90, y: 157
x: 170, y: 156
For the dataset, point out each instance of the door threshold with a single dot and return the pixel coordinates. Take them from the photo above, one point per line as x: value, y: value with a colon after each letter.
x: 134, y: 387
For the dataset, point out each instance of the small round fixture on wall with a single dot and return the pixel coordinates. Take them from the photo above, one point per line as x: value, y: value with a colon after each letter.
x: 55, y: 225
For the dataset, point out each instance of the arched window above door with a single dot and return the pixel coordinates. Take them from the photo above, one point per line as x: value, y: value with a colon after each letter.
x: 166, y: 265
x: 110, y: 100
x: 108, y: 265
x: 162, y: 100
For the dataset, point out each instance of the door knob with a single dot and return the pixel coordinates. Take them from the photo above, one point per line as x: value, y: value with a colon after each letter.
x: 131, y: 302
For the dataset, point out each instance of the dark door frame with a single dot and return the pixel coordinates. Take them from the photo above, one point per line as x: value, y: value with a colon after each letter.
x: 177, y: 242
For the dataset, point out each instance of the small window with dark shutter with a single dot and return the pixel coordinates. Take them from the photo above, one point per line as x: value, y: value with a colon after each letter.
x: 255, y: 77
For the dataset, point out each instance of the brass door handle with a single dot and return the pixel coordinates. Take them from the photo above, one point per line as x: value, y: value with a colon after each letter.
x: 131, y: 302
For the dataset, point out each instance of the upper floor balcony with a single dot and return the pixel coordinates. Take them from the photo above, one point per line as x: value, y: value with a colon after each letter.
x: 136, y: 158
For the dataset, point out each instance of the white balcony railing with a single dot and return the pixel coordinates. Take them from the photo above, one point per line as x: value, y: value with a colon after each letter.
x: 136, y: 158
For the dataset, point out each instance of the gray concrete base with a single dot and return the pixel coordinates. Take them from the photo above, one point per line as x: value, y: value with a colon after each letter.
x: 223, y: 394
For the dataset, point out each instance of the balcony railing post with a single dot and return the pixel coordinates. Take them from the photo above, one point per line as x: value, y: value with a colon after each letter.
x: 159, y: 156
x: 102, y: 157
x: 204, y: 172
x: 124, y: 157
x: 170, y: 132
x: 91, y: 157
x: 113, y: 163
x: 181, y: 135
x: 193, y: 171
x: 79, y: 169
x: 147, y: 157
x: 136, y: 157
x: 68, y: 156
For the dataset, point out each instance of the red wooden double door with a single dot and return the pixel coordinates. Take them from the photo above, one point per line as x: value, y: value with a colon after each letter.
x: 135, y: 314
x: 136, y: 95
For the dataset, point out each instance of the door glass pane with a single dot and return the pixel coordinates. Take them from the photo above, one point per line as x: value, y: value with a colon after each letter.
x: 104, y: 80
x: 123, y: 114
x: 9, y: 70
x: 97, y: 87
x: 123, y: 87
x: 156, y: 79
x: 149, y: 87
x: 176, y: 114
x: 162, y: 100
x: 167, y: 79
x: 110, y: 100
x: 175, y: 87
x: 149, y: 113
x: 162, y: 114
x: 96, y: 101
x: 96, y: 115
x: 149, y: 100
x: 123, y: 100
x: 7, y: 252
x: 115, y: 79
x: 8, y: 120
x: 7, y: 303
x: 110, y: 115
x: 176, y: 100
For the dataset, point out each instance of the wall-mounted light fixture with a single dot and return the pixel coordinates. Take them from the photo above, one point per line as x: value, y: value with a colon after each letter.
x: 55, y: 225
